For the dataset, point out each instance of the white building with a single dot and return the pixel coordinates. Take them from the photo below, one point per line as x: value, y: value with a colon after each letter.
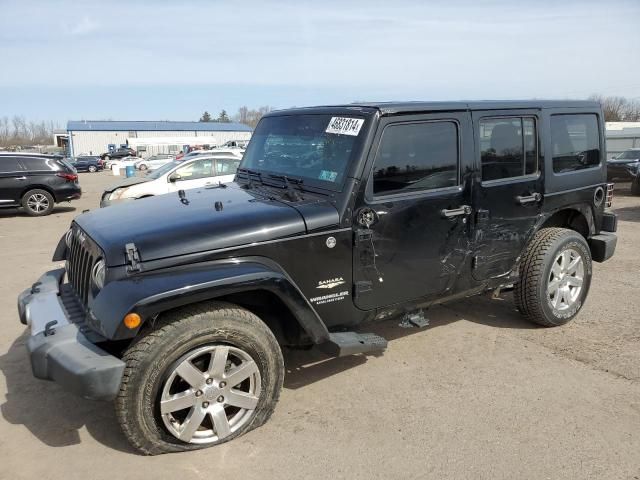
x: 96, y: 137
x: 622, y: 136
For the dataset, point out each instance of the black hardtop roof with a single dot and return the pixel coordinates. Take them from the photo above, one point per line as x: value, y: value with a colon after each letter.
x: 389, y: 108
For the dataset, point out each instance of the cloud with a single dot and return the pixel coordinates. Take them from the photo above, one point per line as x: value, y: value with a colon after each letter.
x: 83, y: 27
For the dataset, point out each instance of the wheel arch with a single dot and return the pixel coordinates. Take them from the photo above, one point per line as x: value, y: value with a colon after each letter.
x: 257, y: 284
x: 38, y: 187
x: 578, y: 218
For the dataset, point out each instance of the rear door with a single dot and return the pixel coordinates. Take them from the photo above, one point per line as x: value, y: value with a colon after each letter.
x: 507, y: 198
x: 411, y: 229
x: 13, y: 180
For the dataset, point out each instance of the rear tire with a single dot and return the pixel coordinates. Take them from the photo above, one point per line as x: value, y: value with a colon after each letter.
x: 177, y: 359
x: 37, y: 203
x: 555, y: 276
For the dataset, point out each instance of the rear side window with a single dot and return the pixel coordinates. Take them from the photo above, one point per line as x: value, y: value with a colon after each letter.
x: 9, y: 165
x: 508, y: 147
x: 576, y: 142
x: 42, y: 164
x: 227, y: 166
x: 416, y: 156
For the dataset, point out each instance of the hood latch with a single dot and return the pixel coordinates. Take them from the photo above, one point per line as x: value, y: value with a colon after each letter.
x: 133, y: 257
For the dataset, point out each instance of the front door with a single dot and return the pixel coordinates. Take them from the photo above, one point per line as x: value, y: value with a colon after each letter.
x: 507, y: 199
x: 194, y: 174
x: 412, y: 226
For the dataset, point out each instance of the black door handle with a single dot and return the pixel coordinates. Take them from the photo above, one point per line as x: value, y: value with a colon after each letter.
x: 455, y: 212
x: 525, y: 199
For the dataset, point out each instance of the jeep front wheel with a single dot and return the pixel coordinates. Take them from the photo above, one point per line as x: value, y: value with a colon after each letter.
x: 555, y: 275
x: 204, y: 375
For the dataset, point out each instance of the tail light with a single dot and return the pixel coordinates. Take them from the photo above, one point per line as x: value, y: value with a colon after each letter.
x: 609, y: 200
x: 69, y: 177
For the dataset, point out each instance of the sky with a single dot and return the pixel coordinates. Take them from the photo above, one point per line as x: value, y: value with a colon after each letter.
x: 166, y: 60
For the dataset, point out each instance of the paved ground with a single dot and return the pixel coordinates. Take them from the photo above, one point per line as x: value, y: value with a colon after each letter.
x: 479, y: 394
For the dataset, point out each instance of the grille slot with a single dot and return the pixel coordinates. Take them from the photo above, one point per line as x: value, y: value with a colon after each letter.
x: 79, y: 264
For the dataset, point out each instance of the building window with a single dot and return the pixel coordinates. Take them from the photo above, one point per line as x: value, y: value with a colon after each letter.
x: 576, y: 142
x: 416, y: 156
x: 508, y: 147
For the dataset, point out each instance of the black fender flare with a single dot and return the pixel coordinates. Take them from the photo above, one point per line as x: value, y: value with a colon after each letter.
x: 150, y: 293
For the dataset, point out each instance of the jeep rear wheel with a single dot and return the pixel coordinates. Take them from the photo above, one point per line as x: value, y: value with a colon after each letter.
x: 206, y: 374
x: 555, y: 275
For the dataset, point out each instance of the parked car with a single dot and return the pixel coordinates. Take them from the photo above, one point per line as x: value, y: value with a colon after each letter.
x: 118, y: 153
x: 121, y: 162
x: 153, y: 162
x: 194, y: 173
x: 87, y: 164
x: 626, y: 167
x: 337, y: 216
x: 36, y: 182
x: 235, y: 144
x: 217, y: 152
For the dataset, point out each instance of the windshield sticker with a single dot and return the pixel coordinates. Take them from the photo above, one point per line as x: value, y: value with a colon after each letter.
x: 345, y: 126
x: 328, y: 175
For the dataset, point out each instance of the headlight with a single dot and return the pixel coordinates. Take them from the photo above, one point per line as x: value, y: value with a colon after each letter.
x: 67, y: 238
x: 98, y: 273
x: 117, y: 193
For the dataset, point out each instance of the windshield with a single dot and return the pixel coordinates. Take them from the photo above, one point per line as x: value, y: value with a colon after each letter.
x: 629, y: 155
x: 163, y: 169
x: 315, y: 148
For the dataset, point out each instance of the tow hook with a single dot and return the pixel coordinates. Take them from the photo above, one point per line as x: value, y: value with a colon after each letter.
x: 48, y: 328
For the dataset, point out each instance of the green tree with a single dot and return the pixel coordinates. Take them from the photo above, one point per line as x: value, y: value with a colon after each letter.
x: 223, y: 117
x: 206, y: 117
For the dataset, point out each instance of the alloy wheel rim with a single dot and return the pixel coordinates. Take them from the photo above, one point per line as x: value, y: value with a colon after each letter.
x: 565, y: 280
x: 38, y: 202
x: 210, y: 393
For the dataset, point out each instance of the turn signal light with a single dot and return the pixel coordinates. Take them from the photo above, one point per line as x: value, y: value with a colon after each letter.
x: 132, y: 320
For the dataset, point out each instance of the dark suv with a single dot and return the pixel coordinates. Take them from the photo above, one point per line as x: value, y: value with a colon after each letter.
x: 177, y: 307
x: 118, y: 153
x: 36, y: 182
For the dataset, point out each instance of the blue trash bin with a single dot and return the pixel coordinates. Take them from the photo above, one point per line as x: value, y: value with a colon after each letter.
x: 130, y: 171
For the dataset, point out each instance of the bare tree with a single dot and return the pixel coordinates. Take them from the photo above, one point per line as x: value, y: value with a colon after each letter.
x: 18, y: 132
x: 251, y: 117
x: 618, y: 109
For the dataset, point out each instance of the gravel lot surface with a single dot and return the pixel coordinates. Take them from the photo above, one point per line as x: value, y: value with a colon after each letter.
x: 478, y: 394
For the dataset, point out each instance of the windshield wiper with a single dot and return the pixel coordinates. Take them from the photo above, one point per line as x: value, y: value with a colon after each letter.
x: 291, y: 194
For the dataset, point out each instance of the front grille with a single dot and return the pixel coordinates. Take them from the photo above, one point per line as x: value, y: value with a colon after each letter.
x: 79, y: 263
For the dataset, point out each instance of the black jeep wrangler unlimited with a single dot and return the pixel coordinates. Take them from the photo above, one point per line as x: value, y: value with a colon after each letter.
x: 177, y: 306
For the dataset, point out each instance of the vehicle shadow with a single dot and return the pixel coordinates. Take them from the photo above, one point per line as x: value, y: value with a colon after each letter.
x: 52, y: 415
x: 18, y: 212
x: 304, y: 367
x: 55, y: 417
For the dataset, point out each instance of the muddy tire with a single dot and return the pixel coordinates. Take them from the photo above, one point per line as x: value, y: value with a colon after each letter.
x: 37, y: 203
x: 555, y: 276
x: 204, y: 375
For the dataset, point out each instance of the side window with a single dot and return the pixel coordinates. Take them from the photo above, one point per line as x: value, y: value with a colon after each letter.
x: 226, y: 166
x: 576, y: 142
x: 416, y: 156
x: 197, y: 169
x: 508, y: 147
x: 9, y: 165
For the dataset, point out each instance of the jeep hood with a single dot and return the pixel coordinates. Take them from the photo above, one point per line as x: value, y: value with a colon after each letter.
x: 204, y: 220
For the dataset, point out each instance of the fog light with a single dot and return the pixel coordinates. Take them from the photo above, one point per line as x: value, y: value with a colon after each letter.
x: 132, y: 320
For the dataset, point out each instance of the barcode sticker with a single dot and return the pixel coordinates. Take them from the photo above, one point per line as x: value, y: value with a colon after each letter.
x: 345, y: 126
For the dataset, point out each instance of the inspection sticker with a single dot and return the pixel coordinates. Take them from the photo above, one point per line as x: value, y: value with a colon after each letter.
x: 345, y: 126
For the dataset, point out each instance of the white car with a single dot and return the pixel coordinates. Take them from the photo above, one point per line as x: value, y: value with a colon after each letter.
x: 194, y: 173
x: 216, y: 152
x: 154, y: 161
x: 121, y: 162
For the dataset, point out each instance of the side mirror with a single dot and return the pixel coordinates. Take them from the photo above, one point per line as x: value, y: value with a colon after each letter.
x: 174, y: 177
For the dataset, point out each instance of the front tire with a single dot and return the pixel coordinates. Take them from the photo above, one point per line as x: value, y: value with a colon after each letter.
x: 206, y: 374
x: 143, y: 167
x: 38, y: 203
x: 555, y: 276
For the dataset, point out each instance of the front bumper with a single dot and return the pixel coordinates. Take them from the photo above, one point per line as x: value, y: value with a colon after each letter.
x: 62, y: 351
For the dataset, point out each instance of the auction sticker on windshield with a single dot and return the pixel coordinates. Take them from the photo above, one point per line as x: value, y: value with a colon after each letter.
x: 345, y: 126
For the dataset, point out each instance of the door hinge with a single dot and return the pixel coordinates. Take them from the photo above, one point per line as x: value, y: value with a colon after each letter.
x: 363, y: 287
x: 362, y: 236
x: 133, y: 257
